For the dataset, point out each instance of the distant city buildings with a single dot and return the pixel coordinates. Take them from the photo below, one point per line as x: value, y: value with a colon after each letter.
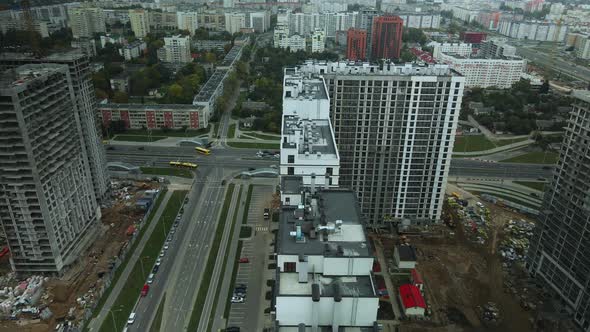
x: 558, y: 253
x: 86, y: 21
x: 49, y: 210
x: 473, y: 37
x: 158, y: 116
x: 176, y: 49
x: 234, y: 22
x: 389, y: 147
x: 462, y: 49
x: 532, y: 30
x: 318, y: 41
x: 133, y: 50
x: 187, y: 21
x: 356, y: 44
x: 386, y: 37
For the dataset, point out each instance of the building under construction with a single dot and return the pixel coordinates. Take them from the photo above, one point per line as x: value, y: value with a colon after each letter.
x: 48, y: 207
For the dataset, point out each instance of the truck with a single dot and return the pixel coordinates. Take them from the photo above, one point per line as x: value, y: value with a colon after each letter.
x: 266, y: 213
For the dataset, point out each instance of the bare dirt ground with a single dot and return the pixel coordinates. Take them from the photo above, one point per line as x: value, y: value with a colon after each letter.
x: 460, y: 276
x: 86, y: 275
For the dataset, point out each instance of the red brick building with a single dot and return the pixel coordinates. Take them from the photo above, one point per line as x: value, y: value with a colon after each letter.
x: 473, y: 37
x: 356, y: 44
x: 387, y: 37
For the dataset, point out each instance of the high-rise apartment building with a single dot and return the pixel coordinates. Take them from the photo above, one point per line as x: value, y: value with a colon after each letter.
x: 559, y: 248
x: 86, y: 21
x: 234, y: 22
x: 140, y: 22
x: 188, y: 21
x: 386, y: 41
x: 318, y: 41
x: 356, y: 44
x: 80, y: 76
x: 395, y: 129
x: 47, y: 206
x: 176, y: 49
x: 366, y: 23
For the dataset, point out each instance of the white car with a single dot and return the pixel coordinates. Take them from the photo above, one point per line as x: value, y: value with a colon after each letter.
x: 162, y: 253
x: 158, y: 261
x: 131, y: 318
x: 237, y: 299
x: 151, y: 278
x: 166, y: 247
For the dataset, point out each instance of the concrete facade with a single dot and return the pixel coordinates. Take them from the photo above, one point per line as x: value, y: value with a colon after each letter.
x: 48, y: 209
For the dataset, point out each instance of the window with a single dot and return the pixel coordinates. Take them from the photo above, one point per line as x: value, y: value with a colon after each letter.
x: 289, y: 267
x: 291, y: 159
x: 329, y: 170
x: 291, y: 170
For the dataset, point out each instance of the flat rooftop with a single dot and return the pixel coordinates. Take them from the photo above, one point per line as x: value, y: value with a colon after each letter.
x: 231, y: 56
x: 583, y: 95
x: 303, y: 87
x: 327, y: 329
x: 316, y: 136
x: 149, y: 107
x: 26, y: 73
x: 291, y: 184
x: 321, y: 232
x: 208, y: 89
x: 365, y: 68
x: 71, y: 55
x: 349, y: 286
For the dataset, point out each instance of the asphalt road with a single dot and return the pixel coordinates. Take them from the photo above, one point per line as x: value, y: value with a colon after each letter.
x: 475, y: 168
x: 565, y: 67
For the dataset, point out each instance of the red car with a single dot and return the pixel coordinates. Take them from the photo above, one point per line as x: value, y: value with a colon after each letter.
x: 145, y: 290
x: 244, y: 260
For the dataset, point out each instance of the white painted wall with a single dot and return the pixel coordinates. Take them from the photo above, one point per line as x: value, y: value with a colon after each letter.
x: 294, y: 199
x: 293, y: 310
x: 335, y: 266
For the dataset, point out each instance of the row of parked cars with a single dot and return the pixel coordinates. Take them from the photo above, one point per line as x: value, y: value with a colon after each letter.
x: 152, y: 276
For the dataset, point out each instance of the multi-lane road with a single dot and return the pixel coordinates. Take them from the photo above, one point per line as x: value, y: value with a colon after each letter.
x: 556, y: 62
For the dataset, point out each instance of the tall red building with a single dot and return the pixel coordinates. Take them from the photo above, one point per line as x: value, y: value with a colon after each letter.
x: 387, y: 37
x: 356, y: 44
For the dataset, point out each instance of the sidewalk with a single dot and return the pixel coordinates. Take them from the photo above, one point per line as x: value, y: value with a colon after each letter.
x: 96, y: 322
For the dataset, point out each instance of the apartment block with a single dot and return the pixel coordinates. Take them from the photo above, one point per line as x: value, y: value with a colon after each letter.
x: 133, y: 50
x: 48, y: 209
x: 137, y: 116
x: 187, y: 21
x: 234, y: 22
x: 394, y: 128
x: 462, y: 49
x: 318, y: 41
x: 86, y: 21
x: 386, y: 41
x: 140, y: 22
x: 176, y: 49
x: 356, y: 44
x: 80, y: 76
x: 558, y: 253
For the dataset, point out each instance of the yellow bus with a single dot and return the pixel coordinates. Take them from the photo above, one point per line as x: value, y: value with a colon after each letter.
x: 175, y: 164
x: 203, y: 150
x: 189, y: 165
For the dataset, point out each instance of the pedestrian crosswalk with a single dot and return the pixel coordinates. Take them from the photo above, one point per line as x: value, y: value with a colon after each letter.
x: 261, y: 228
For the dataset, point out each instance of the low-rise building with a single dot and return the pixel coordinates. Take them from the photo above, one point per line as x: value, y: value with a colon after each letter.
x: 176, y: 49
x: 208, y: 45
x: 412, y: 301
x: 138, y: 116
x: 133, y: 50
x: 113, y: 39
x: 120, y: 82
x: 462, y: 49
x: 405, y: 257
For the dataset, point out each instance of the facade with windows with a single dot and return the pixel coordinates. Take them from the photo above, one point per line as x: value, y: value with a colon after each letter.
x: 559, y: 249
x: 138, y: 116
x: 176, y: 49
x: 395, y: 129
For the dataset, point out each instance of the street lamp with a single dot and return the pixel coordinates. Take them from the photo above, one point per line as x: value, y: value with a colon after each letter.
x: 113, y: 317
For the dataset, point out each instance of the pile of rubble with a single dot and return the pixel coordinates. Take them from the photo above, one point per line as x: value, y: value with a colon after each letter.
x: 514, y: 247
x: 21, y: 298
x: 475, y: 222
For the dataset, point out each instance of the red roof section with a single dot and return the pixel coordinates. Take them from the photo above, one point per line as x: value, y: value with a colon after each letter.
x: 416, y: 277
x: 411, y: 296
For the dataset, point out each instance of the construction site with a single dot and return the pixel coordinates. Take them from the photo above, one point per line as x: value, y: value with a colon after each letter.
x: 472, y: 273
x: 43, y: 303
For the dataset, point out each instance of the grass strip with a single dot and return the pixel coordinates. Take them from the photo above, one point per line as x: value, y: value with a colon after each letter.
x: 137, y: 138
x: 245, y: 232
x: 130, y: 292
x: 537, y: 157
x: 247, y: 206
x: 225, y: 258
x: 121, y: 267
x: 233, y: 280
x: 204, y: 287
x: 248, y: 145
x: 263, y: 136
x: 231, y: 131
x: 183, y: 173
x: 157, y: 323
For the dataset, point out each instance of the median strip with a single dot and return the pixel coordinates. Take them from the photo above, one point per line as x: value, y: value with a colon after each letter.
x: 226, y: 256
x: 208, y: 272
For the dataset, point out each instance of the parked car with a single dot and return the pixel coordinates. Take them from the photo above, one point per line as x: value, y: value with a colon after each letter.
x: 145, y: 290
x: 266, y: 213
x: 166, y: 247
x: 162, y: 253
x: 232, y: 329
x: 244, y: 260
x: 156, y: 268
x: 151, y: 278
x: 241, y: 286
x: 158, y: 261
x: 239, y: 294
x: 131, y: 318
x: 237, y: 299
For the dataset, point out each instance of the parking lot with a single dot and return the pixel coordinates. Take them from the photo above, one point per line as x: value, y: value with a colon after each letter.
x: 249, y: 315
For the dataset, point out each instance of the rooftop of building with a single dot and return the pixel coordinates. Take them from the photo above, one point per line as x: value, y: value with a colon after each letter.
x: 328, y: 329
x: 231, y: 56
x: 329, y: 286
x: 366, y: 68
x: 313, y: 138
x: 406, y: 253
x: 300, y: 86
x: 481, y: 57
x: 21, y: 75
x: 209, y: 88
x: 291, y: 184
x: 150, y: 107
x: 329, y: 225
x: 70, y: 55
x: 583, y: 95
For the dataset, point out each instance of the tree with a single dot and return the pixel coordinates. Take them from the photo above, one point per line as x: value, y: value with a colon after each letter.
x: 210, y: 57
x: 118, y: 126
x: 120, y: 97
x: 175, y: 90
x: 544, y: 87
x: 413, y: 35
